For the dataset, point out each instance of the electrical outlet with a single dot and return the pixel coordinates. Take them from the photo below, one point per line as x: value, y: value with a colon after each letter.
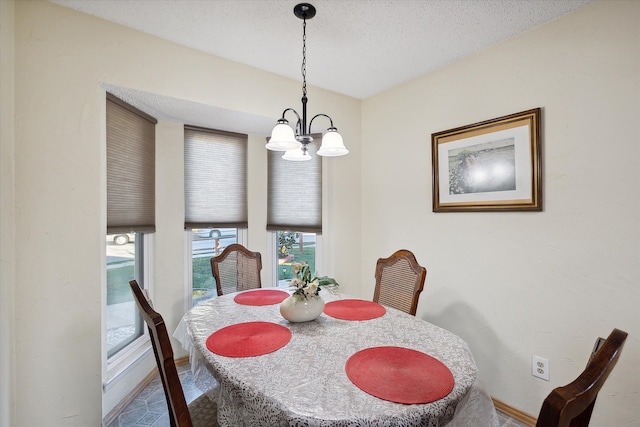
x: 540, y: 367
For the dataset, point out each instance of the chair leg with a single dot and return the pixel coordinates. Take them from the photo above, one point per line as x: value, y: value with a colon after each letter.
x: 583, y: 419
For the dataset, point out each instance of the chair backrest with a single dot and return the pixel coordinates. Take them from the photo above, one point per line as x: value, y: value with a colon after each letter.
x: 176, y: 403
x: 236, y: 269
x: 399, y: 281
x: 572, y: 405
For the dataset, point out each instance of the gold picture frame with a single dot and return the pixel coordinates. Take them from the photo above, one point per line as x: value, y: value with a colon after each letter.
x: 489, y: 166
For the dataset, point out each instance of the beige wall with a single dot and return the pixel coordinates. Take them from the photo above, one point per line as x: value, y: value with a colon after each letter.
x: 511, y: 284
x: 62, y: 57
x: 7, y: 216
x: 515, y: 285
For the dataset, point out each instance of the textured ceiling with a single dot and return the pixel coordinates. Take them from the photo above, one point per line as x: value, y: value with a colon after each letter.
x: 354, y: 47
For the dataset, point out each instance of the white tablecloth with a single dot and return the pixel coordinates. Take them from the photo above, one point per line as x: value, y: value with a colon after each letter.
x: 304, y: 383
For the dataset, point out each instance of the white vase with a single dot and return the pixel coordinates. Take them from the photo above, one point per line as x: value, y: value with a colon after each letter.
x: 297, y: 308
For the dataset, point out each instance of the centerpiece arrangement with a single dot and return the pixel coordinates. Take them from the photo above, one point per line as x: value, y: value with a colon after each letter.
x: 305, y: 303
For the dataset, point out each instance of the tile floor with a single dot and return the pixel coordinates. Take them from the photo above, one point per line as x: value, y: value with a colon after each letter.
x: 149, y: 408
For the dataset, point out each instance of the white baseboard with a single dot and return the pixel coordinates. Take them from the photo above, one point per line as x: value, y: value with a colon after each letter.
x: 514, y: 413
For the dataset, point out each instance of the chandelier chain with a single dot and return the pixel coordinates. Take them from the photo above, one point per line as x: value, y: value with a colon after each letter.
x: 285, y: 137
x: 304, y: 57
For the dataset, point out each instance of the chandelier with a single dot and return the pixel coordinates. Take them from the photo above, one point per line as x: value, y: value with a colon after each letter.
x: 283, y: 136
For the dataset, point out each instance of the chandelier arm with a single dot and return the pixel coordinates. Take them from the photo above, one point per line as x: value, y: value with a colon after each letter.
x: 293, y: 111
x: 299, y: 130
x: 318, y: 115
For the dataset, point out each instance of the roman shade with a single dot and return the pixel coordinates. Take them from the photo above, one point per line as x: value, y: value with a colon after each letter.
x: 130, y: 168
x: 215, y: 178
x: 295, y: 192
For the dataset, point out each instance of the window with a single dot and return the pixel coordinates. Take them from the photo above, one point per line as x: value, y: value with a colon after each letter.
x: 215, y: 169
x: 294, y: 213
x: 292, y: 247
x: 130, y: 219
x: 206, y: 243
x: 124, y: 324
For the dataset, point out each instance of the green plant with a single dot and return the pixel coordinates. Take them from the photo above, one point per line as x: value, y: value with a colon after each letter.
x: 306, y: 284
x: 286, y: 239
x: 307, y: 255
x: 201, y: 273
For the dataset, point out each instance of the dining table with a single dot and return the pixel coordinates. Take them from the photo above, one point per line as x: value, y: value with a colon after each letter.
x: 345, y: 368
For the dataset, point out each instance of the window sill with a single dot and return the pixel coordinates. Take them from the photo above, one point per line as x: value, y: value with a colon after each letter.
x: 125, y: 360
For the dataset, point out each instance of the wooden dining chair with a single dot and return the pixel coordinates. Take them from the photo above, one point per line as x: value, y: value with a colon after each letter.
x: 202, y: 411
x: 399, y: 281
x: 572, y: 405
x: 236, y: 269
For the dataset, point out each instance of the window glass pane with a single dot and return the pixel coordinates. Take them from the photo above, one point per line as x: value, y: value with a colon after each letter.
x: 293, y: 247
x: 207, y: 243
x: 124, y: 258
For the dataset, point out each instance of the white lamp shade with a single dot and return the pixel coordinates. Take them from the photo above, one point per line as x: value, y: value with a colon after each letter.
x: 282, y: 138
x: 332, y: 144
x: 296, y: 155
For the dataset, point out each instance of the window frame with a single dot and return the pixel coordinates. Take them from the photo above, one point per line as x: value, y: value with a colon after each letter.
x: 139, y: 275
x: 273, y: 271
x: 241, y: 238
x: 135, y: 212
x: 130, y: 355
x: 205, y: 216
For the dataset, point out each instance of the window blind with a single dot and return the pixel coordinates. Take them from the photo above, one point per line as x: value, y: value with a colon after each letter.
x: 215, y: 178
x: 295, y: 192
x: 130, y: 168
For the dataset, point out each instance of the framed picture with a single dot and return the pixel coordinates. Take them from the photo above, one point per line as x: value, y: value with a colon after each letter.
x: 493, y: 165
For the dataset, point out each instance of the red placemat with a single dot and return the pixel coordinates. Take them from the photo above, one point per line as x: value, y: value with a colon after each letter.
x: 248, y: 339
x: 354, y: 309
x: 261, y: 297
x: 400, y: 375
